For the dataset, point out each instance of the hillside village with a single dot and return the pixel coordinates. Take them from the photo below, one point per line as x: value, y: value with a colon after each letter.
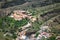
x: 19, y: 15
x: 22, y: 32
x: 29, y: 19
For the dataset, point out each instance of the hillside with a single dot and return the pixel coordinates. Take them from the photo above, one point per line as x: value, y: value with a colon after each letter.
x: 28, y: 18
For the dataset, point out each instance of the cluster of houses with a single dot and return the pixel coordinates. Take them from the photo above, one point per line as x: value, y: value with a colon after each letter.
x: 42, y: 33
x: 21, y: 35
x: 21, y: 14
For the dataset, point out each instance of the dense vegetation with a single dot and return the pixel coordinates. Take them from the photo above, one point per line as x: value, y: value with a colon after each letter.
x: 8, y: 24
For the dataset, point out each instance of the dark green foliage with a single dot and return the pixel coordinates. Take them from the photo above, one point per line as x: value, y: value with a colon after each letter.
x: 0, y: 22
x: 11, y: 25
x: 14, y: 36
x: 43, y: 38
x: 33, y: 11
x: 8, y: 24
x: 36, y: 26
x: 37, y: 34
x: 53, y: 37
x: 21, y: 23
x: 11, y: 22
